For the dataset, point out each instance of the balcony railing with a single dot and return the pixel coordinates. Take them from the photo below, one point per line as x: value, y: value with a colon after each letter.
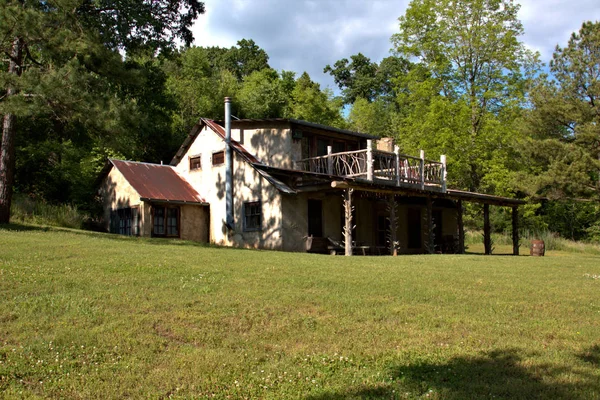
x: 381, y: 167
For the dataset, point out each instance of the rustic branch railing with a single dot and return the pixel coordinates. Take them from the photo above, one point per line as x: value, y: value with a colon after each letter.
x: 379, y: 165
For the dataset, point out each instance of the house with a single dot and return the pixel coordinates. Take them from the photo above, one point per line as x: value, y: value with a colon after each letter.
x: 295, y: 186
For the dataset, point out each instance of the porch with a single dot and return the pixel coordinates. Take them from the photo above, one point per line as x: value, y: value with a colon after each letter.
x: 380, y: 167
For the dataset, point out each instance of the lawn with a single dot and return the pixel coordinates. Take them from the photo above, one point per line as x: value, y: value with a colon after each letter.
x: 87, y: 315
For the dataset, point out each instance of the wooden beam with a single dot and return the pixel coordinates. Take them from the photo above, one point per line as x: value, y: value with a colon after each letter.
x: 393, y: 218
x: 460, y: 227
x: 515, y: 230
x: 487, y: 240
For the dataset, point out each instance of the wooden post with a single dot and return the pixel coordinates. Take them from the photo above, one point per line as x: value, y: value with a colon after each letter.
x: 369, y: 160
x: 515, y: 230
x: 443, y: 161
x: 348, y: 221
x: 393, y: 218
x: 487, y: 242
x: 430, y: 236
x: 329, y: 161
x: 397, y: 152
x: 461, y: 227
x: 422, y: 170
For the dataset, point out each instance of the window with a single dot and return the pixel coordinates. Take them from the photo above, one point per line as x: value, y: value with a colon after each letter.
x: 252, y: 216
x: 195, y: 163
x: 125, y: 221
x: 165, y: 221
x: 218, y: 158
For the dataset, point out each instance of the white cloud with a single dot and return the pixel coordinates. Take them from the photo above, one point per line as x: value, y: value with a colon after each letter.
x: 306, y: 35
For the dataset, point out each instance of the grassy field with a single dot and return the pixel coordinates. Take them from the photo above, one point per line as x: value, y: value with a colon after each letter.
x: 96, y: 316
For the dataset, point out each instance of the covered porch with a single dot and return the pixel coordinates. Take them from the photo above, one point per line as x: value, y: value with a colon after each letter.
x: 379, y: 220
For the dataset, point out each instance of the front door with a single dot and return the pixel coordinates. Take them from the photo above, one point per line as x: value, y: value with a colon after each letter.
x: 414, y: 228
x: 315, y: 218
x: 437, y: 229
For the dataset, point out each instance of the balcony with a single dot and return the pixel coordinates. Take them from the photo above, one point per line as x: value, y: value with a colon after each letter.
x: 381, y: 167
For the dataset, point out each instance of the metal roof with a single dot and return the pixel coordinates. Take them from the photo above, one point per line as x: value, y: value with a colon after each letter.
x: 157, y: 182
x: 303, y: 123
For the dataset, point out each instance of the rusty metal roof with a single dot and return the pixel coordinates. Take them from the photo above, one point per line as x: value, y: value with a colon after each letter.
x: 157, y: 182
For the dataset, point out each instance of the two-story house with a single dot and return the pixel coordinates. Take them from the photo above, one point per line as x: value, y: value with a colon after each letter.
x: 294, y: 186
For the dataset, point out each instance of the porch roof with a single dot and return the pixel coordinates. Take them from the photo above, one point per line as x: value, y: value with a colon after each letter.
x: 452, y: 194
x: 155, y: 182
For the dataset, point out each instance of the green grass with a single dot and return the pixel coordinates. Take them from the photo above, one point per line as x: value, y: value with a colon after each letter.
x: 85, y: 315
x: 31, y: 211
x: 551, y: 241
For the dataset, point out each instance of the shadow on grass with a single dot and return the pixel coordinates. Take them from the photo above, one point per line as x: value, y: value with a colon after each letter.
x: 591, y: 356
x: 498, y: 374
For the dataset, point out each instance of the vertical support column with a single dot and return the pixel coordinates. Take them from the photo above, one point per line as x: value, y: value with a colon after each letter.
x: 422, y: 169
x: 348, y: 221
x: 461, y: 227
x: 329, y: 161
x: 430, y: 236
x: 369, y: 160
x: 228, y: 167
x: 487, y: 240
x: 443, y: 161
x: 397, y: 153
x: 515, y: 230
x: 393, y: 218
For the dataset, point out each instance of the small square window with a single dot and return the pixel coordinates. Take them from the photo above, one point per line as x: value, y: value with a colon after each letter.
x: 218, y: 158
x: 195, y: 163
x: 252, y: 216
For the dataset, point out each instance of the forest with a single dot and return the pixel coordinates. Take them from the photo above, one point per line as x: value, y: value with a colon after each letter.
x: 85, y: 80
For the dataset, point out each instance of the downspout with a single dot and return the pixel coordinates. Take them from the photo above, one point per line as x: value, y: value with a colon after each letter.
x: 228, y: 167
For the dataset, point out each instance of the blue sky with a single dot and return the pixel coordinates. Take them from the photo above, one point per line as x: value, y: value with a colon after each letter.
x: 306, y: 35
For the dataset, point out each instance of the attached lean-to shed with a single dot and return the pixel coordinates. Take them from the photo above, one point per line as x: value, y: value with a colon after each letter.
x: 142, y: 199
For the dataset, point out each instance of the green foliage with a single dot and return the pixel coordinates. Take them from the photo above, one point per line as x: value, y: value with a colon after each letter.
x: 360, y: 78
x: 262, y: 95
x: 564, y: 123
x: 72, y: 91
x: 374, y: 117
x: 309, y: 103
x: 462, y: 97
x: 31, y: 211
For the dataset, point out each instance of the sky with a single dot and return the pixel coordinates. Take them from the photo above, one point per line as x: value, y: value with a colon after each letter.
x: 306, y: 35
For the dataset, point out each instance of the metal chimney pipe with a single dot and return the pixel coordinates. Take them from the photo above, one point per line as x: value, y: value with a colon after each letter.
x: 228, y: 167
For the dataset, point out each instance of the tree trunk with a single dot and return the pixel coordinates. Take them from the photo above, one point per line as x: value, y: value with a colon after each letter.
x: 7, y: 146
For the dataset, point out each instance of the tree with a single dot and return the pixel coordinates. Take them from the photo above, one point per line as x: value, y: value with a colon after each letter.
x: 309, y: 103
x: 262, y: 95
x: 469, y: 81
x: 60, y: 51
x: 362, y: 78
x: 563, y: 153
x: 374, y: 117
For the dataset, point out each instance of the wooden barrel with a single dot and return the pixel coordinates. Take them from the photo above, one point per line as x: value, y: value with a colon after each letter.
x: 538, y: 248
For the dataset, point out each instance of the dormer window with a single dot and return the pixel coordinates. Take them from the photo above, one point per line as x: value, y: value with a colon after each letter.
x: 195, y: 163
x: 218, y: 158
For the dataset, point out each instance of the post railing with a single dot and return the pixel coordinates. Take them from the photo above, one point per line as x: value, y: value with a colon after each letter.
x: 380, y: 166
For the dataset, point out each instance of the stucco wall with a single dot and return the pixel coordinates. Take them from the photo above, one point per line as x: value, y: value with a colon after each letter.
x: 271, y: 146
x: 248, y: 185
x: 194, y: 223
x: 117, y: 193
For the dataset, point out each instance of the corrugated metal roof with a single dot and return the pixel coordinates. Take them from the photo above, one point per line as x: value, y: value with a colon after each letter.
x: 303, y: 123
x: 157, y: 182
